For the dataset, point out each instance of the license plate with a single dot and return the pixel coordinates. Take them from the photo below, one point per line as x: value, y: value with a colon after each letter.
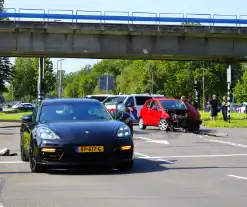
x: 90, y: 149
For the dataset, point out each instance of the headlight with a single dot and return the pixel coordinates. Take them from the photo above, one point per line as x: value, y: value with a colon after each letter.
x: 46, y: 133
x: 123, y: 132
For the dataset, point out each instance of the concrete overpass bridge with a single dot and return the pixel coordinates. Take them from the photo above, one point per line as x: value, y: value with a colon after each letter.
x: 165, y: 38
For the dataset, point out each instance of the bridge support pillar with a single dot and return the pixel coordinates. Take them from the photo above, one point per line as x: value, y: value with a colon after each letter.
x: 41, y: 79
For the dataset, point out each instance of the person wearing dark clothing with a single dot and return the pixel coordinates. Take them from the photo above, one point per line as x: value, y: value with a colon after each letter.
x: 224, y: 108
x: 214, y: 108
x: 189, y: 99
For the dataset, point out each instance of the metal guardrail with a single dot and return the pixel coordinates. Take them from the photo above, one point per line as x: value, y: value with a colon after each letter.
x: 121, y: 16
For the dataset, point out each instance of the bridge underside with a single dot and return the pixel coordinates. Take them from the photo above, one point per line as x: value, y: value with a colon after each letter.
x: 116, y: 41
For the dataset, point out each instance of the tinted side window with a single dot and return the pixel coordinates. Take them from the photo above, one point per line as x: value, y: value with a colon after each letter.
x: 148, y: 103
x: 140, y: 100
x: 130, y: 101
x: 154, y: 104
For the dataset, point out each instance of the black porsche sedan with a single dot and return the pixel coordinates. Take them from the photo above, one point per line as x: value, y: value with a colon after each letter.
x: 73, y: 133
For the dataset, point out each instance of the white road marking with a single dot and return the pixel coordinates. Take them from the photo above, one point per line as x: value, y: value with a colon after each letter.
x: 154, y: 141
x: 190, y: 156
x: 238, y: 177
x: 223, y: 142
x: 1, y: 205
x: 11, y: 162
x: 152, y: 158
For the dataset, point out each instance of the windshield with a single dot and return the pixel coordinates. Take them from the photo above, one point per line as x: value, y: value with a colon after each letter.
x: 99, y: 98
x: 74, y: 112
x: 173, y: 104
x: 114, y: 99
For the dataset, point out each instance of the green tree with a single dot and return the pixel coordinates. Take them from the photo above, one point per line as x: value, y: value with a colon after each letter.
x: 25, y: 78
x: 240, y: 90
x: 5, y: 73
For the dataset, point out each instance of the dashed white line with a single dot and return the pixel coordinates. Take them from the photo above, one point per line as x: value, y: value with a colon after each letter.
x: 154, y: 141
x: 153, y: 158
x: 223, y: 142
x: 201, y: 156
x: 189, y: 156
x: 238, y: 177
x: 11, y: 162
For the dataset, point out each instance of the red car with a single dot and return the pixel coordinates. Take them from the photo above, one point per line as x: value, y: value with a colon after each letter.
x: 169, y: 114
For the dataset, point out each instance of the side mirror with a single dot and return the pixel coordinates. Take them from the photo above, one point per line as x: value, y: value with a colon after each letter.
x: 27, y: 118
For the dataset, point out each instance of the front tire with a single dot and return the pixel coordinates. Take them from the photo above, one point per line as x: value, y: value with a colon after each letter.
x: 24, y: 157
x: 163, y: 125
x: 34, y: 166
x: 125, y: 167
x: 141, y: 124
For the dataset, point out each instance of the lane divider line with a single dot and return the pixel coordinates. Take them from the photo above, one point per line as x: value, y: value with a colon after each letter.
x: 154, y: 141
x: 153, y: 158
x: 238, y: 177
x: 224, y: 142
x: 11, y: 162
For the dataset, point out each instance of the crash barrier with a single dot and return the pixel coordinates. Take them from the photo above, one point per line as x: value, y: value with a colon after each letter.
x: 79, y: 16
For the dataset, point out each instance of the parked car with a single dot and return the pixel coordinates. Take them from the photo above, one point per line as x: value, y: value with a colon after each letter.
x: 24, y: 106
x: 242, y: 108
x: 235, y: 107
x: 169, y: 114
x: 99, y: 97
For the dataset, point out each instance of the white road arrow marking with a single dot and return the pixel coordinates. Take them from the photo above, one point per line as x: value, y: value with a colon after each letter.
x: 154, y: 141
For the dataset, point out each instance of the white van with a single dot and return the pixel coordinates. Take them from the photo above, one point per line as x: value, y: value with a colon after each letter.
x: 131, y: 103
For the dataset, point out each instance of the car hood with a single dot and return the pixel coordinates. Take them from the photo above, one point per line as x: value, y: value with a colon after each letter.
x: 88, y: 131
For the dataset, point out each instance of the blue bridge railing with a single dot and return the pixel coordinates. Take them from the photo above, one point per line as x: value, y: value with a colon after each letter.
x: 79, y: 16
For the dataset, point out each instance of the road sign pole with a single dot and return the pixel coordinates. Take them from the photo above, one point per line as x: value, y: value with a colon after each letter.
x: 107, y: 82
x: 41, y: 80
x: 229, y: 74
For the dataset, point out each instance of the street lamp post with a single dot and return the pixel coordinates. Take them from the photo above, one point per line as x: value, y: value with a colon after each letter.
x: 60, y: 77
x: 203, y: 85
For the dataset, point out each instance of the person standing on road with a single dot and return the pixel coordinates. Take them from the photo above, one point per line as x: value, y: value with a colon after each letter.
x: 224, y: 108
x: 214, y: 107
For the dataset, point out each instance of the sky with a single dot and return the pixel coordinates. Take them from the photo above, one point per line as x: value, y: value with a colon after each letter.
x: 220, y: 7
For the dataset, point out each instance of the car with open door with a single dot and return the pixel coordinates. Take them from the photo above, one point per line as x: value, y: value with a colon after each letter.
x: 169, y: 114
x: 75, y: 133
x: 131, y: 104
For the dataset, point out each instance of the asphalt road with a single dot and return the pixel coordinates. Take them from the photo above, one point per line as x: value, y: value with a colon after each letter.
x: 171, y: 169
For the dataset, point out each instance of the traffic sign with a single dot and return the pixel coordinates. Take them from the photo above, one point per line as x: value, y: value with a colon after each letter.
x: 106, y: 83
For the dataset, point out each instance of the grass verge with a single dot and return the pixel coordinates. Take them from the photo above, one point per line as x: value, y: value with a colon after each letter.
x: 16, y: 116
x: 238, y: 120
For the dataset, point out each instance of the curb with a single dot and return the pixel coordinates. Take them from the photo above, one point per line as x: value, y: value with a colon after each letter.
x: 11, y: 121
